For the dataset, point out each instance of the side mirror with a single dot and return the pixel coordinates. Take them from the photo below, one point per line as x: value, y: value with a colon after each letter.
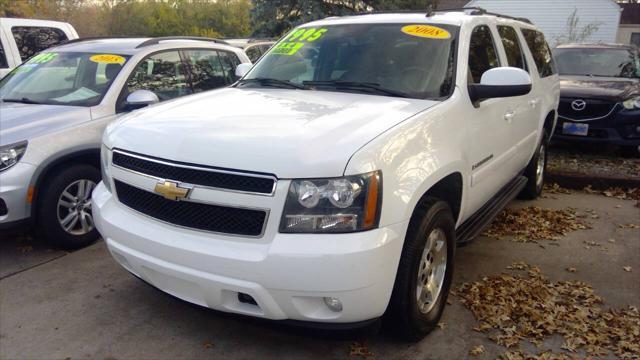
x: 141, y: 98
x: 500, y: 83
x: 243, y: 69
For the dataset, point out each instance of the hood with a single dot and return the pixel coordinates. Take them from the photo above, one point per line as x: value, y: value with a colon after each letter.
x: 602, y: 88
x: 288, y: 133
x: 20, y: 122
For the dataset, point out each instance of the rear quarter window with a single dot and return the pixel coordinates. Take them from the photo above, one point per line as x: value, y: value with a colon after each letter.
x: 30, y: 40
x: 540, y: 51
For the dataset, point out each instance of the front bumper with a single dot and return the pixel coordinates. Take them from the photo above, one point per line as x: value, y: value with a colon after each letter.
x: 287, y: 276
x: 621, y: 128
x: 14, y: 187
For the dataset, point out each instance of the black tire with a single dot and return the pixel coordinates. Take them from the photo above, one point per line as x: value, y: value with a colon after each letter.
x: 403, y: 316
x: 534, y: 186
x: 48, y: 225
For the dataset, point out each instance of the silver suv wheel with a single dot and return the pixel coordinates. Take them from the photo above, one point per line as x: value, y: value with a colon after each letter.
x: 433, y: 265
x: 74, y: 207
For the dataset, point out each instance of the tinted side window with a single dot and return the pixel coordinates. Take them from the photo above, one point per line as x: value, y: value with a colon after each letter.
x: 540, y: 51
x: 162, y: 73
x: 3, y: 58
x: 515, y: 56
x: 31, y: 39
x: 206, y: 70
x: 253, y: 53
x: 482, y: 53
x: 229, y: 63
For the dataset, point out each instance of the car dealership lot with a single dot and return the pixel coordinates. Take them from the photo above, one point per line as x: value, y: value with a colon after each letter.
x: 83, y: 304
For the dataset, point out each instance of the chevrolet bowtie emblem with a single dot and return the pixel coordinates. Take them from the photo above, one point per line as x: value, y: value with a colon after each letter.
x: 170, y: 190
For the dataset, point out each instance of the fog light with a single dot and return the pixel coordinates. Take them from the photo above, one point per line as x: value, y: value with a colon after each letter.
x: 334, y: 304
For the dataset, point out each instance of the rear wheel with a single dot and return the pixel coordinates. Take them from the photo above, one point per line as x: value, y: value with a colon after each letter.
x: 424, y: 273
x: 65, y: 218
x: 536, y: 171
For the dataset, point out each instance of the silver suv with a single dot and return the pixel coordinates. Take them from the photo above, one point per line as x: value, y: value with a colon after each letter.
x: 56, y: 105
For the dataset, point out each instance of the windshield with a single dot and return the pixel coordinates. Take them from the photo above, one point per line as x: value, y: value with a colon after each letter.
x: 414, y: 61
x: 621, y: 63
x: 64, y: 78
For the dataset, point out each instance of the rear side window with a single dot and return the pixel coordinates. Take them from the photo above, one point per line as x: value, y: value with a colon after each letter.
x: 30, y: 40
x: 3, y: 58
x: 206, y: 69
x: 515, y: 56
x: 254, y: 53
x: 229, y: 63
x: 482, y: 53
x: 540, y: 51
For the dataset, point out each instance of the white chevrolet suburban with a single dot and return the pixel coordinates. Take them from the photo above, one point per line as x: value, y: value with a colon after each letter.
x: 331, y: 184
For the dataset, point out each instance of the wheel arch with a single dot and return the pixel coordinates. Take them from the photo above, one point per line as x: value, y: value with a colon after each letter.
x: 84, y: 156
x: 549, y: 124
x: 448, y: 189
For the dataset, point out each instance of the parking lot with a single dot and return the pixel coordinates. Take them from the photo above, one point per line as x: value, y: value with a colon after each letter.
x: 82, y: 305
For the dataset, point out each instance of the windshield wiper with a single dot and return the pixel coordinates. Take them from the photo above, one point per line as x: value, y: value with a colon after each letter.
x: 355, y: 85
x: 23, y: 100
x: 274, y: 83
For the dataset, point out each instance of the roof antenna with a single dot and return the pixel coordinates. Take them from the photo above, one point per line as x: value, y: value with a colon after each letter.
x: 430, y: 10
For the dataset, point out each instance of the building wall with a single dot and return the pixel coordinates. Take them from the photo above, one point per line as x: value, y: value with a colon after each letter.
x: 551, y: 16
x: 625, y: 31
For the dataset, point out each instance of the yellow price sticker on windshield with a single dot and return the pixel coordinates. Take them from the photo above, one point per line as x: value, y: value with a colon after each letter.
x: 107, y: 59
x: 426, y: 31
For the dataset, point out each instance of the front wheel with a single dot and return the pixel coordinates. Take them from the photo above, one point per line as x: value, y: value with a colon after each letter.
x: 536, y: 171
x: 425, y: 271
x: 65, y: 218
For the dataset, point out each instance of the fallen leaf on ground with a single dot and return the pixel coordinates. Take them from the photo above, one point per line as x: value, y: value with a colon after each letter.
x: 627, y: 268
x: 478, y: 350
x: 360, y: 349
x: 207, y: 344
x: 442, y: 325
x: 528, y: 307
x: 571, y: 269
x: 534, y: 223
x: 555, y: 189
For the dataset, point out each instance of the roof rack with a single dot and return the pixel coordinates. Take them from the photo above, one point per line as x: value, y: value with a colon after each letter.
x: 473, y: 10
x: 73, y: 41
x: 156, y: 40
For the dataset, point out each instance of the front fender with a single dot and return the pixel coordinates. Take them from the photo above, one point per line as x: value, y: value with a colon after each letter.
x: 414, y: 156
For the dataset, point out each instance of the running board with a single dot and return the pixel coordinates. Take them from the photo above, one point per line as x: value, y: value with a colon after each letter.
x: 474, y: 225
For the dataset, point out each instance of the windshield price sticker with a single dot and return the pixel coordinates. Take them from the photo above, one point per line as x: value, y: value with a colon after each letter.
x: 426, y: 31
x: 297, y: 40
x: 107, y: 59
x: 43, y: 58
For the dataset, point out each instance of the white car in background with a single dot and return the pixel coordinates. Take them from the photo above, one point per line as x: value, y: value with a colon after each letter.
x: 332, y: 182
x: 22, y: 38
x: 55, y: 107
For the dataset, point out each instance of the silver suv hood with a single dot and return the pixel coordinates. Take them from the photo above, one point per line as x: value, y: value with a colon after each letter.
x: 289, y: 133
x: 20, y: 122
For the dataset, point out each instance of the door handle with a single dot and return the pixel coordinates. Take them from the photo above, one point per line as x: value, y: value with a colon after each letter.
x: 509, y: 115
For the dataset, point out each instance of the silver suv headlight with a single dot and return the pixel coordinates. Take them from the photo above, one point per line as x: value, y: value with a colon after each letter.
x: 11, y: 154
x: 105, y: 158
x: 337, y: 205
x: 633, y: 103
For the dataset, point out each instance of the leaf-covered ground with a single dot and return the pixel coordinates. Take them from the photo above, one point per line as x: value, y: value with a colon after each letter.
x: 594, y: 164
x: 533, y: 223
x: 525, y: 306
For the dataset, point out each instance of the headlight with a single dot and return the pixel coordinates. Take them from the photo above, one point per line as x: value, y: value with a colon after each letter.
x: 347, y: 204
x: 105, y: 157
x: 11, y: 154
x: 633, y: 103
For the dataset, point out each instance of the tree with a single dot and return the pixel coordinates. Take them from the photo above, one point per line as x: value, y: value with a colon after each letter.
x: 275, y: 17
x: 576, y: 33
